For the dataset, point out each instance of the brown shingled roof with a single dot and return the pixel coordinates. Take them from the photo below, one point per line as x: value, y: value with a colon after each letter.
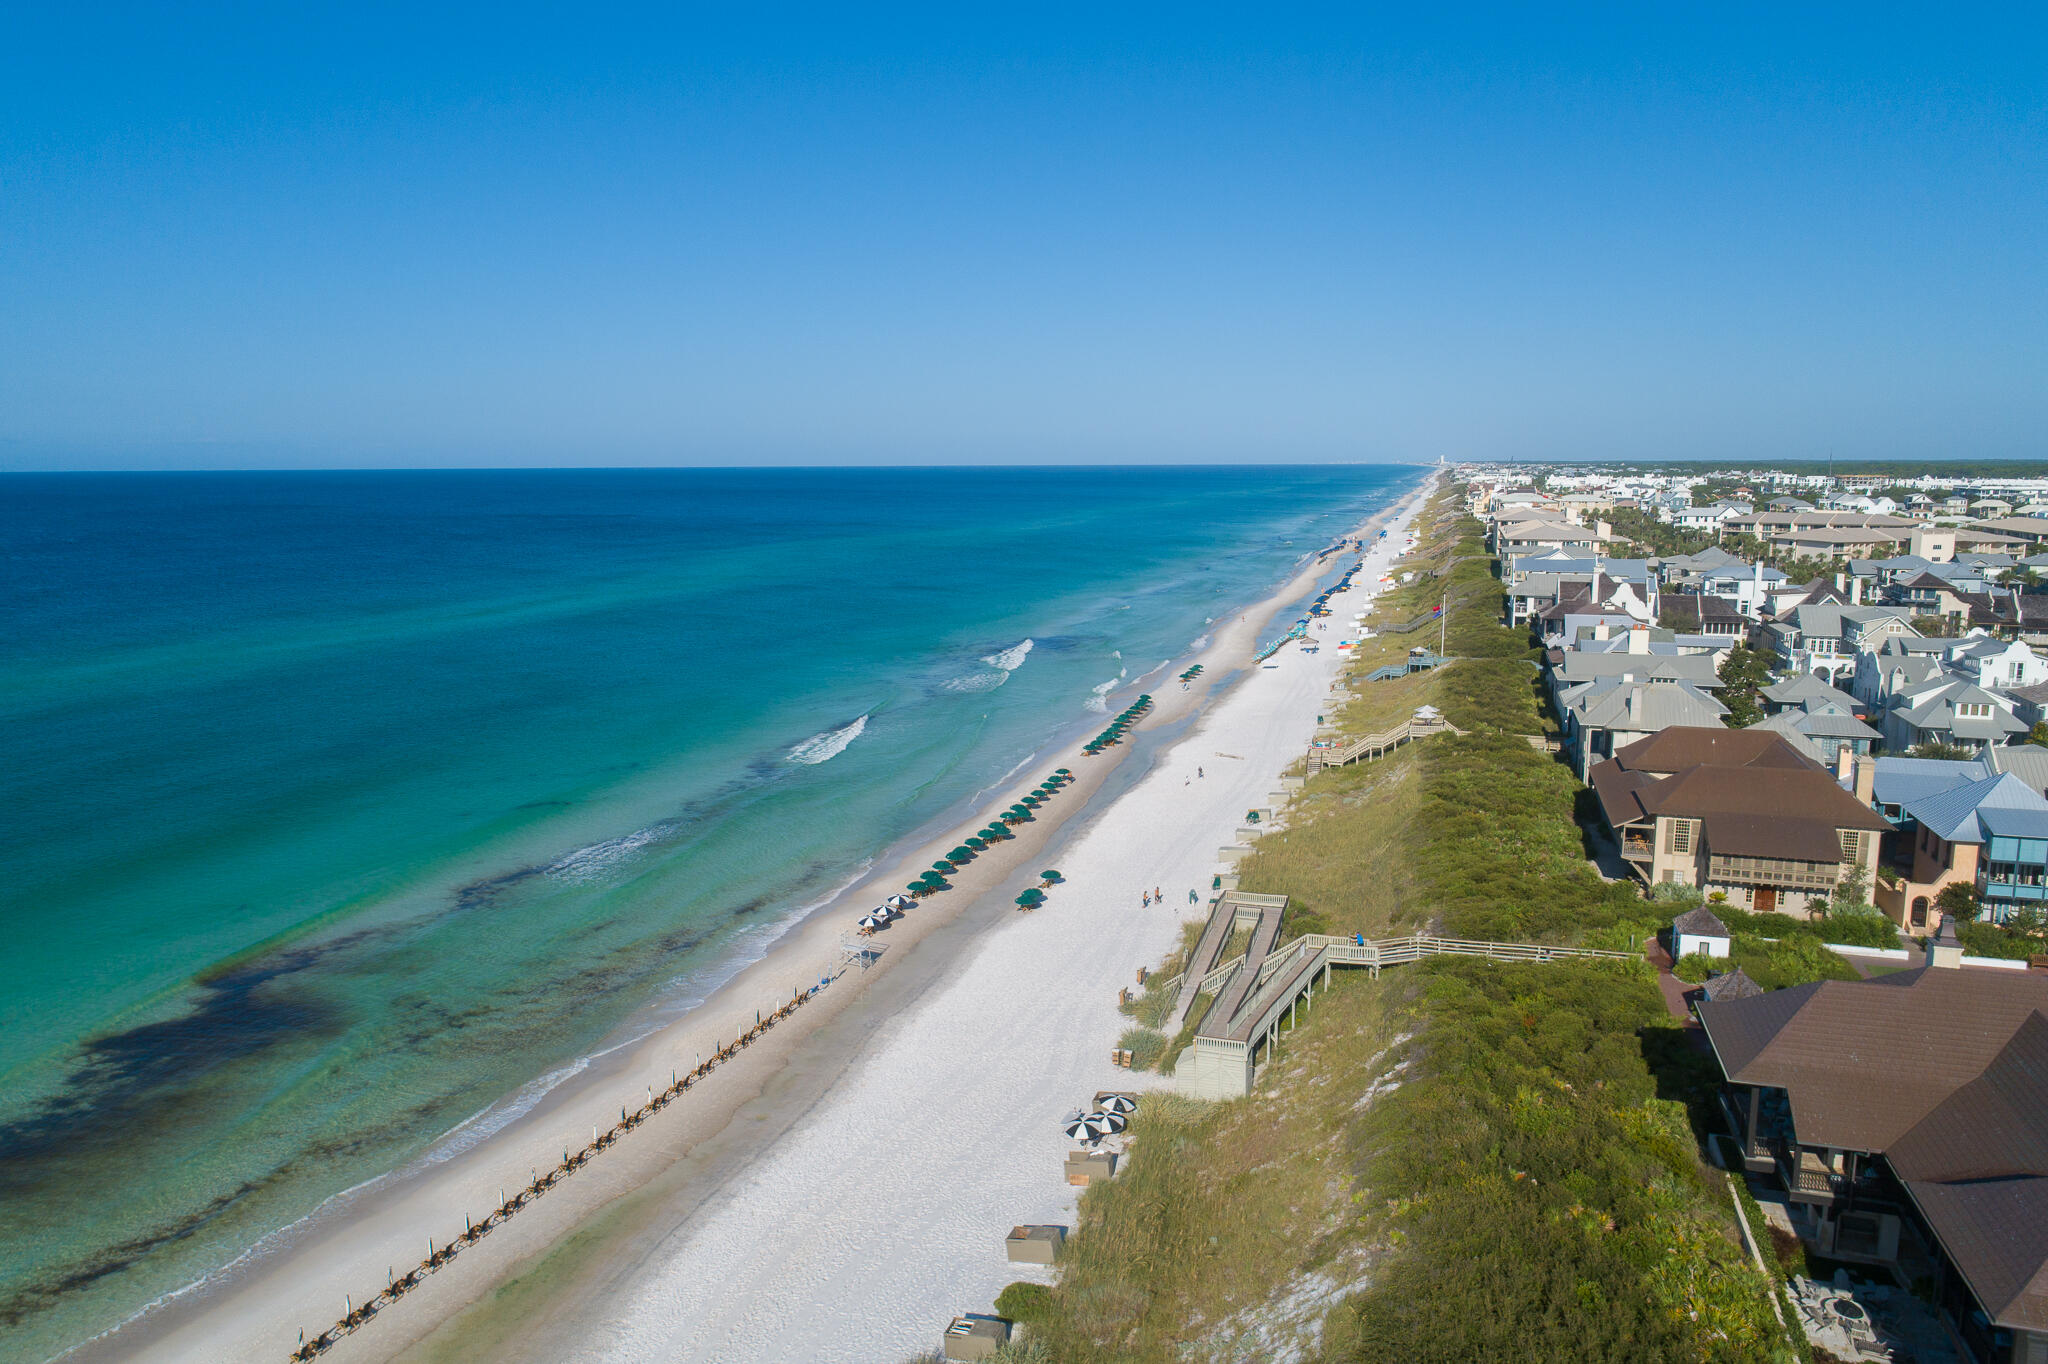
x: 1683, y: 746
x: 1863, y: 1062
x: 1763, y: 810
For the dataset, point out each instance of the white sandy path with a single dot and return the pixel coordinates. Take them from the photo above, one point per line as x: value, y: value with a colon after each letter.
x: 883, y: 1212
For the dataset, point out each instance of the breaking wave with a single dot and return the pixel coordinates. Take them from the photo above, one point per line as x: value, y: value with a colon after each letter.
x: 1012, y: 658
x: 829, y: 745
x: 585, y: 864
x: 976, y: 682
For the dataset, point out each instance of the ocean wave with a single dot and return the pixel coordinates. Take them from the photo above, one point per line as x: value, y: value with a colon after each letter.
x: 827, y: 746
x: 1012, y: 658
x: 1200, y: 643
x: 587, y: 863
x: 976, y: 682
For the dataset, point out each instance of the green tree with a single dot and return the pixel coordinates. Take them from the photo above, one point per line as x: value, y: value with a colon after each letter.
x: 1958, y: 900
x: 2039, y: 733
x: 1935, y: 748
x: 1744, y: 673
x: 1852, y: 893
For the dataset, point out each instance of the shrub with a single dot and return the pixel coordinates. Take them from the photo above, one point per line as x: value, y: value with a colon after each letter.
x: 1025, y: 1302
x: 1859, y: 928
x: 1146, y: 1046
x: 1996, y: 940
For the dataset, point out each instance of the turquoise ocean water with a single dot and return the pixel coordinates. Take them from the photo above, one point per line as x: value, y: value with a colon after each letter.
x: 339, y: 807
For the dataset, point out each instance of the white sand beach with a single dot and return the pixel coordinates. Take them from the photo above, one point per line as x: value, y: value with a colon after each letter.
x: 843, y: 1187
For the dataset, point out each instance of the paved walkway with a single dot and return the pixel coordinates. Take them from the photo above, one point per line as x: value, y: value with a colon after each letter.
x: 1672, y: 988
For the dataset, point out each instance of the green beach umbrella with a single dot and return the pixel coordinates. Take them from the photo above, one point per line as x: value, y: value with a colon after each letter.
x: 963, y: 853
x: 1025, y: 901
x: 1048, y: 876
x: 942, y: 867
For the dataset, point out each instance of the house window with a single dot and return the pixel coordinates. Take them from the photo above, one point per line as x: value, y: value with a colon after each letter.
x: 1852, y: 845
x: 1680, y: 838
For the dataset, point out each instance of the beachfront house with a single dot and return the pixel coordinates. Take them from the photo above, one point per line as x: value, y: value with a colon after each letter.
x: 1567, y: 669
x: 1905, y: 1123
x: 1990, y: 833
x: 1740, y: 812
x: 1611, y: 713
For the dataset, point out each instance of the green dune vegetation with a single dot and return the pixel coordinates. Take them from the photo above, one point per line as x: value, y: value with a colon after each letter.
x: 1461, y: 1160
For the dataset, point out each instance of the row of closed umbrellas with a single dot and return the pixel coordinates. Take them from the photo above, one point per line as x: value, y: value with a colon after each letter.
x: 1117, y: 727
x: 996, y: 831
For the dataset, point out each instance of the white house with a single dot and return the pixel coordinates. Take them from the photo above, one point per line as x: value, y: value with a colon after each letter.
x: 1697, y: 931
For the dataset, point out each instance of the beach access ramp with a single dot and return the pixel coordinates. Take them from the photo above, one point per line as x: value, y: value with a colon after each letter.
x: 1204, y: 974
x: 1258, y: 995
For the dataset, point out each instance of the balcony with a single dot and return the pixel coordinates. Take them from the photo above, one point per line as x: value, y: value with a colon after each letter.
x: 1806, y: 1176
x: 1637, y: 847
x: 1771, y: 871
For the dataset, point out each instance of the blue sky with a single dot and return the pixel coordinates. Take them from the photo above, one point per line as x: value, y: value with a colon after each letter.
x: 272, y: 236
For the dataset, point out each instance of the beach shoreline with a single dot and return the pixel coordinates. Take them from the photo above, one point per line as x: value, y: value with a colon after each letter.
x: 681, y: 1158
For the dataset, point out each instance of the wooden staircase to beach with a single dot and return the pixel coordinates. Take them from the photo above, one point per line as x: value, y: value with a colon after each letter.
x: 1254, y: 993
x: 1377, y: 745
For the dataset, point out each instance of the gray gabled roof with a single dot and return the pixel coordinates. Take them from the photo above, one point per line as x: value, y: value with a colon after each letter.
x: 1604, y: 704
x: 2028, y: 762
x: 1698, y: 669
x: 1700, y: 922
x: 1794, y: 691
x: 1830, y: 724
x: 2001, y: 804
x: 1734, y: 984
x: 1786, y: 725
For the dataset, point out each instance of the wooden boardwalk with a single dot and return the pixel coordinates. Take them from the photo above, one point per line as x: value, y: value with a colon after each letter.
x: 1251, y: 1004
x: 1377, y: 745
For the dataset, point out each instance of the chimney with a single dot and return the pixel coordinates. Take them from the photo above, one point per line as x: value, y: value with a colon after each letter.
x: 1945, y: 950
x: 1635, y: 703
x: 1866, y: 778
x: 1845, y: 765
x: 1639, y: 638
x: 1600, y: 629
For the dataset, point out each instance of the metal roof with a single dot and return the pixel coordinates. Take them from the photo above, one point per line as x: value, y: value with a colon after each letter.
x: 1959, y: 813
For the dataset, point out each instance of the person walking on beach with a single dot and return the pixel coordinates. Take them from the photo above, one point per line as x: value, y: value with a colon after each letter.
x: 1198, y: 771
x: 1159, y: 895
x: 1193, y: 898
x: 1148, y: 899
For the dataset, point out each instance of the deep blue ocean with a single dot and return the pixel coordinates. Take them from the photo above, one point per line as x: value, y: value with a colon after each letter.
x: 339, y: 806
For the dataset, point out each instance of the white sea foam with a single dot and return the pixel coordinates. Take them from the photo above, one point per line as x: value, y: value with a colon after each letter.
x: 1200, y: 643
x: 586, y: 864
x: 976, y: 682
x: 1012, y: 658
x: 829, y: 745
